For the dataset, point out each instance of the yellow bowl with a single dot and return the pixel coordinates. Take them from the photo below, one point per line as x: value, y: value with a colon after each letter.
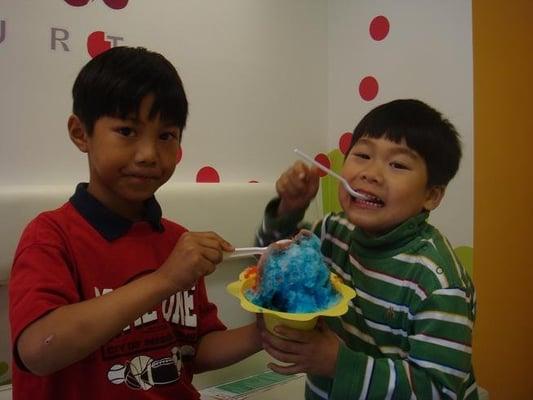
x: 303, y: 321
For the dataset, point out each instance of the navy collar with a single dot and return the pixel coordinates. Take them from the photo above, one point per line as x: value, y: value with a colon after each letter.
x: 109, y: 224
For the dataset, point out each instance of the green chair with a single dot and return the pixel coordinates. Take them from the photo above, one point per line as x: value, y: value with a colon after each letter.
x: 466, y: 257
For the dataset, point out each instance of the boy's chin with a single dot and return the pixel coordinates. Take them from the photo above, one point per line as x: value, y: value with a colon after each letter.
x: 367, y: 224
x: 138, y: 196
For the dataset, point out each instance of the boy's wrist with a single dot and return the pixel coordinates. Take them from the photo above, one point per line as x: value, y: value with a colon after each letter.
x: 282, y: 215
x: 276, y: 227
x: 166, y: 285
x: 285, y: 208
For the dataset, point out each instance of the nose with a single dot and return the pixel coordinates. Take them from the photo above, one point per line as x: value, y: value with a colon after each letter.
x: 146, y: 152
x: 373, y: 172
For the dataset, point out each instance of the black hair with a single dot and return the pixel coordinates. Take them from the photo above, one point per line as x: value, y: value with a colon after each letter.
x: 116, y: 81
x: 424, y: 129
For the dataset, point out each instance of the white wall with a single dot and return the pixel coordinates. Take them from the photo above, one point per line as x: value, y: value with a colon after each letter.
x: 255, y: 73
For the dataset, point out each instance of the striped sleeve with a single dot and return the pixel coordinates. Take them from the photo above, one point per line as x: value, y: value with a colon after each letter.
x: 438, y: 365
x: 274, y: 227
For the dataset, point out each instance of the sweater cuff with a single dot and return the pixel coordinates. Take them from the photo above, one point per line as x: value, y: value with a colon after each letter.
x: 349, y: 374
x: 276, y: 227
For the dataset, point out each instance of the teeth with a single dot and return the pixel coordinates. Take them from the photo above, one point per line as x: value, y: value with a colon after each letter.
x: 371, y: 199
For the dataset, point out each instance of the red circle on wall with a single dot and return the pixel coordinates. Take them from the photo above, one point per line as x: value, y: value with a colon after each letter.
x: 344, y: 142
x: 379, y: 28
x: 324, y: 160
x: 116, y: 4
x: 207, y: 174
x: 368, y: 88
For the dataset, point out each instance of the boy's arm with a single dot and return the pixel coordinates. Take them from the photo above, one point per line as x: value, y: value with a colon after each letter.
x: 439, y: 360
x: 296, y: 187
x: 70, y: 332
x: 275, y: 227
x: 219, y: 349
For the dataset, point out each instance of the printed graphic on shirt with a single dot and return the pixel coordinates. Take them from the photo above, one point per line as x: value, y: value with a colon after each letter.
x: 143, y: 372
x: 156, y: 329
x: 152, y: 350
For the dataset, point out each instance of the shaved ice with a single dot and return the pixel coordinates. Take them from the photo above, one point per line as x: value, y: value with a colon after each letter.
x: 292, y: 277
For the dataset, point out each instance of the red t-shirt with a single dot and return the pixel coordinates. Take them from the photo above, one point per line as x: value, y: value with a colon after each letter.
x: 63, y: 259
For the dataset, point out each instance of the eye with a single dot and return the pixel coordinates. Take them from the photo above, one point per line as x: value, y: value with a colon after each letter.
x: 168, y: 136
x: 125, y: 131
x: 398, y: 165
x: 361, y: 154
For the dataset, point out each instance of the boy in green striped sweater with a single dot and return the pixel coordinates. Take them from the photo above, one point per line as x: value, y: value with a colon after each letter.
x: 408, y: 332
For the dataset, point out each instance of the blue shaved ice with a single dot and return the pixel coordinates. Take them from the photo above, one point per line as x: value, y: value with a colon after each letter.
x: 295, y: 279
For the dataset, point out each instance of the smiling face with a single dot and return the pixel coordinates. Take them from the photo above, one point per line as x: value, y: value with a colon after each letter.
x: 394, y: 176
x: 129, y: 159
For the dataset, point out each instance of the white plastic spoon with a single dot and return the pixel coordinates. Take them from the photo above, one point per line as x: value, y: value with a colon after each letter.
x: 347, y: 186
x: 241, y: 252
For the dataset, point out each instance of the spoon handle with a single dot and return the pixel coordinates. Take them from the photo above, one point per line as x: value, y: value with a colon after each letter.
x: 241, y: 252
x: 330, y: 172
x: 317, y: 164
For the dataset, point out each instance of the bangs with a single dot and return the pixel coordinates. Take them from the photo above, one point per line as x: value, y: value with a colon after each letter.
x: 123, y: 102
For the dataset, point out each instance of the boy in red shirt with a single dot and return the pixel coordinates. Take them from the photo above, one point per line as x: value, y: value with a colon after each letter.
x: 107, y: 298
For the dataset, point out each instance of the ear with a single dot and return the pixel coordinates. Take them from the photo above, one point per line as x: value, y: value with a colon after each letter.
x: 77, y: 133
x: 434, y: 196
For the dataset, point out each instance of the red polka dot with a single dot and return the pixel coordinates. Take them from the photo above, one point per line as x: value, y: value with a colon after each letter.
x: 324, y: 160
x: 179, y: 154
x: 368, y: 88
x: 379, y: 28
x: 207, y: 175
x: 344, y: 142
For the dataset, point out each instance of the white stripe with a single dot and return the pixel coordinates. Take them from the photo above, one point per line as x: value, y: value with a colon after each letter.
x: 385, y: 304
x: 452, y: 292
x: 375, y: 325
x: 389, y: 279
x: 455, y: 261
x: 430, y: 241
x: 356, y: 332
x: 407, y: 373
x: 386, y: 328
x: 323, y: 228
x: 337, y: 242
x: 435, y: 395
x: 426, y: 262
x: 319, y: 392
x: 442, y: 342
x: 392, y: 380
x: 393, y: 350
x: 368, y: 374
x: 338, y: 270
x: 444, y: 316
x: 438, y: 367
x: 469, y: 391
x: 449, y: 393
x: 344, y: 222
x: 369, y: 339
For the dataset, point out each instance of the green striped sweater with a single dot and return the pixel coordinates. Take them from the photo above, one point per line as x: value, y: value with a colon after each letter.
x: 408, y: 332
